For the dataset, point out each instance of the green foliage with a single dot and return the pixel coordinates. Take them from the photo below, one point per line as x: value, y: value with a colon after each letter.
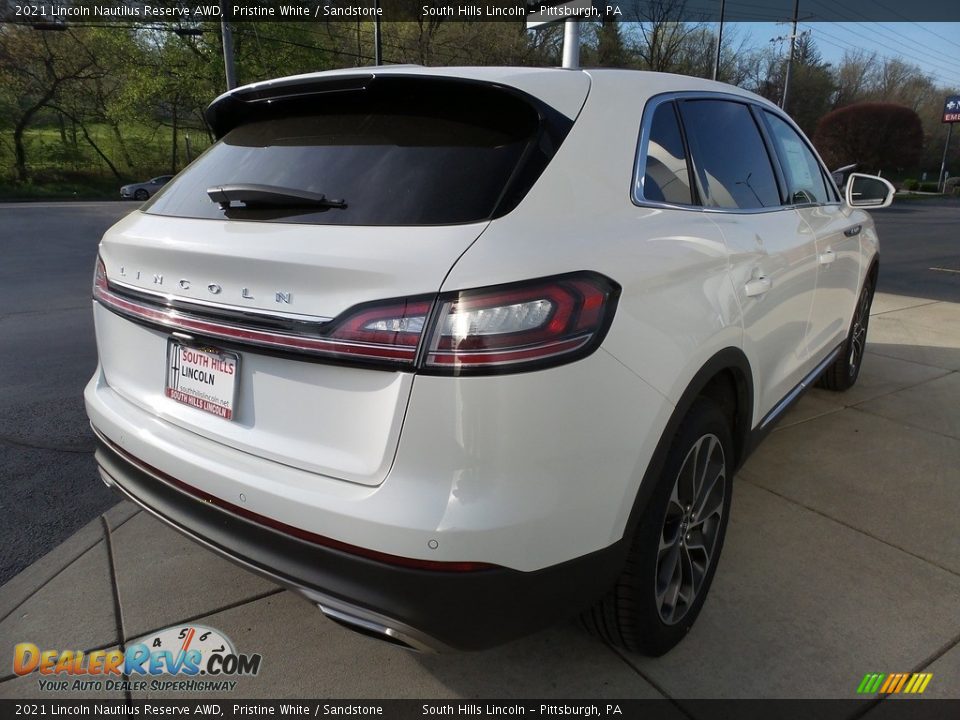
x: 877, y: 136
x: 911, y: 184
x: 928, y: 187
x: 116, y: 101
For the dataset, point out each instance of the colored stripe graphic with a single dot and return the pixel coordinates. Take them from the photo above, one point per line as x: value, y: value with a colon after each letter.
x: 870, y: 683
x: 907, y: 683
x: 891, y: 679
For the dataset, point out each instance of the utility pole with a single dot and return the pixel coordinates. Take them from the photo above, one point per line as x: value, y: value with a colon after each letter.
x: 377, y: 44
x: 716, y: 62
x: 226, y: 35
x: 793, y: 42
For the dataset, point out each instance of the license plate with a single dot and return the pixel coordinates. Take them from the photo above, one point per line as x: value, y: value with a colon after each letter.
x: 203, y: 377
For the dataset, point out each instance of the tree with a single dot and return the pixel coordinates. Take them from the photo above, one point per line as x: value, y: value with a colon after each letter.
x: 811, y: 83
x: 37, y: 70
x: 877, y: 136
x: 854, y: 77
x: 611, y: 51
x: 662, y: 34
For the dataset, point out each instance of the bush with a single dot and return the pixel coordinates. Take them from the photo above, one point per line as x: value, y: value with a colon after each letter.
x: 951, y: 183
x: 929, y: 187
x: 911, y: 184
x: 875, y: 135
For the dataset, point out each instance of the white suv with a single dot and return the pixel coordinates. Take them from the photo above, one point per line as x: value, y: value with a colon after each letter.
x: 459, y: 353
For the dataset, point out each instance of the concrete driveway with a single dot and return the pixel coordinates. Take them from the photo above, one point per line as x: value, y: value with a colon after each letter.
x: 842, y: 558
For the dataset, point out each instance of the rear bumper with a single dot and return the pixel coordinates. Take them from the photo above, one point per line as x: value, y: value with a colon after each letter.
x: 421, y: 609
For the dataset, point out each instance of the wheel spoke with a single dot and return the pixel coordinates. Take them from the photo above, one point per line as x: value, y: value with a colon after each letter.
x: 669, y: 579
x: 697, y: 561
x: 686, y: 480
x: 714, y: 475
x: 704, y: 456
x: 687, y: 585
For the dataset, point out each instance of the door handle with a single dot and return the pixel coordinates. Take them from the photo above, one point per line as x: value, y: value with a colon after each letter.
x: 758, y: 286
x: 853, y: 231
x: 827, y: 257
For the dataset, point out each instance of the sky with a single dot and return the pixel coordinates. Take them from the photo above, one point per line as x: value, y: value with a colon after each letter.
x: 933, y: 46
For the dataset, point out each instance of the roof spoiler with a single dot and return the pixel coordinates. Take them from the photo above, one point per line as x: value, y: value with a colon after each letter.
x: 251, y: 102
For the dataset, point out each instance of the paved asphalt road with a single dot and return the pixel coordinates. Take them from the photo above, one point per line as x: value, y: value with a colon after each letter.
x: 48, y: 485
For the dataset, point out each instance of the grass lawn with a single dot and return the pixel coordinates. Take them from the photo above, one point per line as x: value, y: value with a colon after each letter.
x: 66, y: 170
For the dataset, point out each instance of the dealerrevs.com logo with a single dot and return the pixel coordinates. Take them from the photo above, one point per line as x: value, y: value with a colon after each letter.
x: 181, y: 658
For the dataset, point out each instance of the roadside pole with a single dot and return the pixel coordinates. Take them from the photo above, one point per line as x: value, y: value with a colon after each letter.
x: 377, y: 41
x: 227, y: 35
x: 571, y: 43
x: 716, y: 61
x: 950, y: 115
x: 942, y: 180
x: 569, y: 12
x: 793, y: 45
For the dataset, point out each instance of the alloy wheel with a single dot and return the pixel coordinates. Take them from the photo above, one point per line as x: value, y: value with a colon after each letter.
x: 858, y: 337
x: 690, y: 529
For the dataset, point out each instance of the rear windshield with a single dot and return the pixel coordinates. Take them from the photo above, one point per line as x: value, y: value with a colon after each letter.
x: 396, y: 154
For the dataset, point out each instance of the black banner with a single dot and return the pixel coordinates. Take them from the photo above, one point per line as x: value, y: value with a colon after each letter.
x: 810, y: 11
x: 912, y: 709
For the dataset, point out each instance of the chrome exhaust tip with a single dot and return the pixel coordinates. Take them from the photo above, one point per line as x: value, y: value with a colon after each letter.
x: 377, y: 630
x: 107, y: 480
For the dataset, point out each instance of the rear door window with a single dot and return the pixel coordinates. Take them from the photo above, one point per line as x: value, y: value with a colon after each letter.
x: 666, y: 177
x: 395, y: 158
x: 729, y: 155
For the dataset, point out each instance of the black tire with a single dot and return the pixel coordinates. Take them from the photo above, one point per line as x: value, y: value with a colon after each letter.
x: 636, y: 613
x: 844, y: 371
x: 141, y: 194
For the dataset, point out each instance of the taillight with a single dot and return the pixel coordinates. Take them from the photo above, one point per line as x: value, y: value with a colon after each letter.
x: 520, y: 326
x: 99, y: 279
x: 395, y: 323
x: 506, y: 328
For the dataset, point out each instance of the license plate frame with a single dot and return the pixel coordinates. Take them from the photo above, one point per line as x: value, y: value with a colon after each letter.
x: 193, y: 372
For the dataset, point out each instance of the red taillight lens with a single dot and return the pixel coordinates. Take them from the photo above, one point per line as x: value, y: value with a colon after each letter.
x: 99, y: 280
x: 399, y: 323
x: 521, y: 326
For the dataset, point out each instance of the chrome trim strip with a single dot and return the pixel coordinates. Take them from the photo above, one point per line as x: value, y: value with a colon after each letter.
x: 341, y: 609
x: 168, y: 300
x: 636, y: 195
x: 170, y: 319
x: 803, y: 385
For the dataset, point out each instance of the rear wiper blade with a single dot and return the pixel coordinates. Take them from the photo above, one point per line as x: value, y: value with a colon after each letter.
x: 269, y: 196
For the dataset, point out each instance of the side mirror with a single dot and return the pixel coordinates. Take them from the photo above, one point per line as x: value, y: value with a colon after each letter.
x: 841, y: 174
x: 869, y: 191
